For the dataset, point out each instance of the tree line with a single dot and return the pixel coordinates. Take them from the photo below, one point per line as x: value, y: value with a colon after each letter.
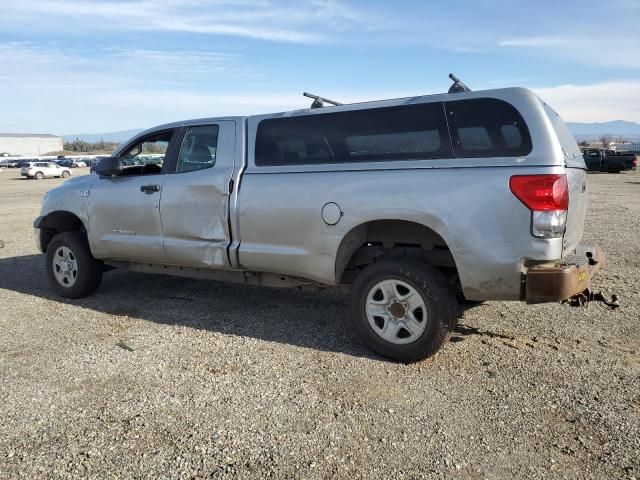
x: 81, y: 146
x: 605, y: 140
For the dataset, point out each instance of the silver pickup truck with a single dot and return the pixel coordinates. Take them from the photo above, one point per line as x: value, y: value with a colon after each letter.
x: 410, y: 204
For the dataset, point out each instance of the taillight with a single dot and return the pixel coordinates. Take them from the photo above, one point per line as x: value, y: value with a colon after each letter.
x: 547, y: 196
x: 541, y: 192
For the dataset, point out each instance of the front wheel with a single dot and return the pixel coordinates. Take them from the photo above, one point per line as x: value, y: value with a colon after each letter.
x: 65, y: 174
x: 402, y: 309
x: 71, y: 269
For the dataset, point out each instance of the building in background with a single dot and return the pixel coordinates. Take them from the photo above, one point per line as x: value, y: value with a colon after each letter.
x: 29, y: 144
x: 626, y: 147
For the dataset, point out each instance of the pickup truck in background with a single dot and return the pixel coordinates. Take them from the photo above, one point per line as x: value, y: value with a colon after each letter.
x: 599, y: 160
x: 409, y: 204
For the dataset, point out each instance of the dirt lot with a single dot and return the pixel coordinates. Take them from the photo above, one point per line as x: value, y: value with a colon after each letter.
x: 171, y: 378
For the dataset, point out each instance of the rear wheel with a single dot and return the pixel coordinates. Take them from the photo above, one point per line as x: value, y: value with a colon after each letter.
x: 39, y: 176
x: 403, y: 310
x: 71, y: 269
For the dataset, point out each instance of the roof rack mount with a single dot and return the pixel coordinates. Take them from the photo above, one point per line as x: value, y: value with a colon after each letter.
x: 458, y: 86
x: 318, y: 101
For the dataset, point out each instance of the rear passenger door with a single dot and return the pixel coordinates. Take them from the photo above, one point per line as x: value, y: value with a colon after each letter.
x: 195, y: 197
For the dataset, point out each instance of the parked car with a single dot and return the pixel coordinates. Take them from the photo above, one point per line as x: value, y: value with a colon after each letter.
x: 65, y: 162
x: 40, y: 170
x: 406, y: 203
x: 75, y: 163
x: 600, y: 160
x: 24, y: 162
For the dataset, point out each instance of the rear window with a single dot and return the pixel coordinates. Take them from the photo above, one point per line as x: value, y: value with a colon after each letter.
x: 411, y: 132
x: 487, y: 127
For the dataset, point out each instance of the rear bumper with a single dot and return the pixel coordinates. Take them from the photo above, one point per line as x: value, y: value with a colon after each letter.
x: 561, y: 279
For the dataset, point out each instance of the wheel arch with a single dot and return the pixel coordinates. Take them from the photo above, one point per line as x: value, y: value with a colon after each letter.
x: 57, y: 222
x: 388, y: 237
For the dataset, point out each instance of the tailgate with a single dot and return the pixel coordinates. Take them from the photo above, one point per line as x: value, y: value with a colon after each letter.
x: 577, y: 181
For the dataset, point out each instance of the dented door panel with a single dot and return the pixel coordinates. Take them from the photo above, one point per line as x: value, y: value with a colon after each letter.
x: 194, y: 209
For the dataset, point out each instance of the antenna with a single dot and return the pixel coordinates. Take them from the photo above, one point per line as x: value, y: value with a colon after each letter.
x: 457, y: 86
x: 318, y: 101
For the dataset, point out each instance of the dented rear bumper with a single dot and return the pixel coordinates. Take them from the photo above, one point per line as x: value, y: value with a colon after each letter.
x: 562, y: 279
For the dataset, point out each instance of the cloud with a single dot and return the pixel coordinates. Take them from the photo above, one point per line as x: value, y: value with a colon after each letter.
x: 53, y: 67
x: 613, y: 50
x: 51, y: 88
x: 532, y: 42
x: 306, y: 21
x: 600, y: 102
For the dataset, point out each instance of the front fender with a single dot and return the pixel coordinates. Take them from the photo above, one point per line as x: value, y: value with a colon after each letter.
x: 71, y: 196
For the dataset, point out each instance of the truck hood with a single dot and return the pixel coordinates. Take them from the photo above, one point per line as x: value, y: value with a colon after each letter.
x: 74, y: 183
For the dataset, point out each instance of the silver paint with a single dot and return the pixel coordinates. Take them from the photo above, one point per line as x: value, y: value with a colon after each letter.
x: 272, y: 223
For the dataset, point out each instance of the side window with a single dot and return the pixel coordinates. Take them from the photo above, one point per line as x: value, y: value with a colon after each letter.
x: 407, y: 132
x: 198, y: 149
x: 147, y: 156
x: 476, y: 138
x: 487, y: 127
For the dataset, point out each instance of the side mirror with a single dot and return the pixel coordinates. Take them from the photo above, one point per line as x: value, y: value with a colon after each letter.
x: 109, y: 167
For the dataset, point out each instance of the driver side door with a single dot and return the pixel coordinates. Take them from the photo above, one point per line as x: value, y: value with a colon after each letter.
x: 124, y: 211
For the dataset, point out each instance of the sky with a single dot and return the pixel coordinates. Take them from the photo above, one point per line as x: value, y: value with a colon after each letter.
x: 83, y: 66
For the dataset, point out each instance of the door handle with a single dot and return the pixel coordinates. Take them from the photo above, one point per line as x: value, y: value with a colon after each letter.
x: 150, y: 188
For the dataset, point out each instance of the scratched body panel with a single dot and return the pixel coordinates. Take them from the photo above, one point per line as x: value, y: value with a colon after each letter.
x: 194, y: 209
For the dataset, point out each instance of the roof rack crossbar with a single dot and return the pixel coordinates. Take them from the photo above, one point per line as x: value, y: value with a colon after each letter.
x: 318, y: 101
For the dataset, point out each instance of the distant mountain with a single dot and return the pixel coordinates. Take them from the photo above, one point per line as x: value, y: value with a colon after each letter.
x: 117, y: 137
x: 617, y: 128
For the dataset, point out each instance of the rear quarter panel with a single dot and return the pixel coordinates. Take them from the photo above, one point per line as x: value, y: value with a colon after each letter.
x: 467, y: 201
x: 486, y: 228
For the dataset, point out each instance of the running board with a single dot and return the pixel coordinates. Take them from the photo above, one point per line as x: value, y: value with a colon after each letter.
x: 232, y: 276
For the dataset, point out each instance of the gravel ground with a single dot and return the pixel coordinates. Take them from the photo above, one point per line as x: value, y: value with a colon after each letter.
x: 157, y: 377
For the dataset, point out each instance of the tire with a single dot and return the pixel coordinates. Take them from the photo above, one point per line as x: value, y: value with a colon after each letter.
x: 429, y: 313
x: 65, y: 174
x: 38, y: 176
x: 75, y: 273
